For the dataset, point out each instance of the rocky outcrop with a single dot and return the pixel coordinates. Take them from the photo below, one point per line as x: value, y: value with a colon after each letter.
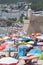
x: 36, y: 24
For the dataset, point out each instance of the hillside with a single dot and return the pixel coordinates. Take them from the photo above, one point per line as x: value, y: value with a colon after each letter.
x: 11, y: 1
x: 36, y: 4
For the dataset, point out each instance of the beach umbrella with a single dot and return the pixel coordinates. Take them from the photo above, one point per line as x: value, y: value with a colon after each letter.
x: 38, y: 34
x: 31, y: 42
x: 9, y: 42
x: 12, y: 48
x: 8, y: 61
x: 6, y: 37
x: 39, y: 37
x: 34, y: 51
x: 23, y: 46
x: 22, y: 43
x: 26, y: 39
x: 28, y: 45
x: 3, y: 46
x: 22, y: 50
x: 40, y: 43
x: 30, y: 57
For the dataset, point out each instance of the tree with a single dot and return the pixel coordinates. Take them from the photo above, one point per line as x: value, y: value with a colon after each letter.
x: 9, y: 23
x: 26, y: 17
x: 21, y: 18
x: 13, y: 19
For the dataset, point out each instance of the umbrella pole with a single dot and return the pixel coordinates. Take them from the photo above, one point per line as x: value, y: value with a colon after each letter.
x: 9, y: 53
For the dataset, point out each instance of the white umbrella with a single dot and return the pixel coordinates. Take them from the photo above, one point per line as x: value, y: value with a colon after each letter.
x: 8, y: 61
x: 40, y: 37
x: 28, y: 45
x: 10, y: 42
x: 6, y: 37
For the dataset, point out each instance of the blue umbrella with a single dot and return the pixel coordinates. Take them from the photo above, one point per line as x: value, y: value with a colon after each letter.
x: 22, y: 50
x: 9, y: 47
x: 23, y: 46
x: 26, y: 39
x: 34, y: 51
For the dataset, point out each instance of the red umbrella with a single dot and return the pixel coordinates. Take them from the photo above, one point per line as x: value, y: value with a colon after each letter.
x: 3, y: 46
x: 29, y: 57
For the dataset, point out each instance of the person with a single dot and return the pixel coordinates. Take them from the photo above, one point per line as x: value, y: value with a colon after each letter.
x: 29, y: 62
x: 35, y: 42
x: 14, y: 41
x: 9, y: 53
x: 3, y: 56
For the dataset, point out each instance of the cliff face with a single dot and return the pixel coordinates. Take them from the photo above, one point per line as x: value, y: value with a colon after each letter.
x: 36, y: 24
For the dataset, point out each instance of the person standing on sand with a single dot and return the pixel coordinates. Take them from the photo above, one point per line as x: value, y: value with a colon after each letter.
x: 35, y: 42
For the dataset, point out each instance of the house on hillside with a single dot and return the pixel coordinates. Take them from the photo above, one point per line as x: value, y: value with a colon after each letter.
x: 21, y: 3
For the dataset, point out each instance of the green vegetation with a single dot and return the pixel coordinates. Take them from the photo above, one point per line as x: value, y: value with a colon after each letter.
x: 13, y: 19
x: 36, y: 4
x: 21, y: 18
x: 9, y: 23
x: 26, y: 17
x: 5, y: 11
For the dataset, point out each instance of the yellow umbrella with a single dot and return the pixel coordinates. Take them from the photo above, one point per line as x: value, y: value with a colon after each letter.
x: 31, y: 42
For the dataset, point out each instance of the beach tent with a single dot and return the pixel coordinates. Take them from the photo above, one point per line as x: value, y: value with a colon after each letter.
x: 8, y: 61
